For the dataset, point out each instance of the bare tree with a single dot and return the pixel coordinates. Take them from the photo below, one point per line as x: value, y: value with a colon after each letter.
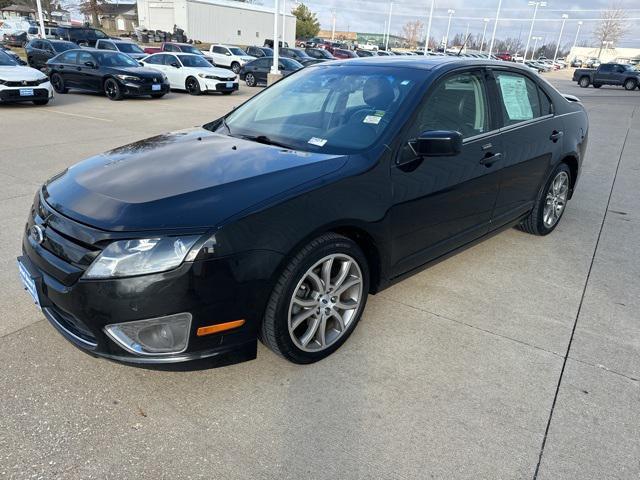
x: 412, y: 32
x: 612, y: 27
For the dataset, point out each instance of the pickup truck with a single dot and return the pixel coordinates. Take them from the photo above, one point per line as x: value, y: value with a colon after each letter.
x: 177, y: 47
x: 608, y: 74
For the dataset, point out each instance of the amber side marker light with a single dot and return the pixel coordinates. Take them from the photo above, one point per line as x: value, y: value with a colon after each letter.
x: 220, y: 327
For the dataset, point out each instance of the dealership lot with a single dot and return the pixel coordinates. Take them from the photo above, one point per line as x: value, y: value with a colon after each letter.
x: 453, y: 373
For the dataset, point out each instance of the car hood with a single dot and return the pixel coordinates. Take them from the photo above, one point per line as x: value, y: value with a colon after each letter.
x: 139, y: 71
x: 137, y: 56
x: 186, y: 179
x: 218, y: 72
x: 17, y: 73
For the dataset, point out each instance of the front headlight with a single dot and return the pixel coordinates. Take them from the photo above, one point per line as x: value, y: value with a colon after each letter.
x: 2, y: 82
x: 128, y: 78
x: 126, y: 258
x: 43, y: 80
x: 204, y: 75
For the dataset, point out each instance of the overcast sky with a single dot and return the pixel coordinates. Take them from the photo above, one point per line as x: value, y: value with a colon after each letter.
x: 371, y: 15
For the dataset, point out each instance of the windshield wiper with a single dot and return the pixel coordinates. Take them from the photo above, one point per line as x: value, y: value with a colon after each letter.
x: 266, y: 140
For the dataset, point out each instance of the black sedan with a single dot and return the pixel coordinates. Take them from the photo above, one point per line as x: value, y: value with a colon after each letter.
x: 255, y: 72
x: 319, y: 53
x: 278, y: 220
x: 40, y: 51
x: 113, y: 73
x: 299, y: 55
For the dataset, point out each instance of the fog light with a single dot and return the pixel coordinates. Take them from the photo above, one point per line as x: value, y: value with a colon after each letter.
x: 154, y: 336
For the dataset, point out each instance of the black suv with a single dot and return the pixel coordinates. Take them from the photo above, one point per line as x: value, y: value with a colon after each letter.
x: 40, y: 50
x: 83, y: 36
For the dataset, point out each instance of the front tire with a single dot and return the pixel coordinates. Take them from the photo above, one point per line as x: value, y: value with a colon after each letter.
x: 630, y: 84
x: 317, y: 301
x: 112, y: 90
x: 235, y: 66
x: 551, y: 203
x: 192, y: 86
x: 584, y: 82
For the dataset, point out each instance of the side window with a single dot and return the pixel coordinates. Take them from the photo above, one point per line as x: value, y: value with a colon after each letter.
x: 84, y: 57
x: 154, y: 60
x: 458, y: 103
x: 546, y: 107
x: 219, y: 50
x: 262, y: 63
x: 606, y: 68
x: 37, y: 44
x: 169, y: 48
x: 518, y: 97
x: 170, y: 59
x: 68, y: 57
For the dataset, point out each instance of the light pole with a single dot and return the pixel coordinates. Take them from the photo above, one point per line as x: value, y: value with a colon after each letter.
x: 564, y: 19
x: 333, y: 26
x: 446, y: 38
x: 276, y: 44
x: 484, y: 31
x: 40, y: 18
x: 535, y: 45
x: 284, y: 20
x: 386, y: 45
x: 535, y: 4
x: 426, y: 39
x: 495, y: 26
x: 575, y: 40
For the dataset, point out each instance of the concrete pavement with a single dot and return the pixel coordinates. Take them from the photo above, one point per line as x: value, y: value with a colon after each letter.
x: 518, y: 358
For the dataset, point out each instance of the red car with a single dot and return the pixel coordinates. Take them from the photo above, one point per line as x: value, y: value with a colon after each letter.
x: 506, y: 56
x: 341, y: 53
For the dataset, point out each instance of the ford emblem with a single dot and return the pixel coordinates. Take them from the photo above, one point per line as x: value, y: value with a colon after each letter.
x: 36, y: 232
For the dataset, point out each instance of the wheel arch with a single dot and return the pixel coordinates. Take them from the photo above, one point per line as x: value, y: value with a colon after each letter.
x: 572, y: 162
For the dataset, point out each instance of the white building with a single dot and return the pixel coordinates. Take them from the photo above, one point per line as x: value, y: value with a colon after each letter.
x: 215, y: 21
x: 620, y: 55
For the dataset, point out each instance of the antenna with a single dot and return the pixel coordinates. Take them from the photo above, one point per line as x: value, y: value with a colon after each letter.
x: 463, y: 45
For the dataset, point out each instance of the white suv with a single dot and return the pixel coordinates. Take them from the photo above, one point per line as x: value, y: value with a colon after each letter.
x: 228, y: 56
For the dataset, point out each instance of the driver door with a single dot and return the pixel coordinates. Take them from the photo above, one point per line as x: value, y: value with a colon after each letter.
x: 443, y: 202
x: 173, y: 73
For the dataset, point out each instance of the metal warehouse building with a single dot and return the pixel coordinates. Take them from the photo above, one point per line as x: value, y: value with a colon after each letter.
x: 215, y: 21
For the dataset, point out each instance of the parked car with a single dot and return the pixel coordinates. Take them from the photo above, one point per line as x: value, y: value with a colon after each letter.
x: 278, y: 220
x: 255, y: 72
x: 315, y: 42
x: 229, y: 56
x: 39, y: 51
x: 366, y: 53
x: 176, y: 48
x: 9, y: 26
x: 576, y: 63
x: 12, y: 54
x: 592, y: 63
x: 505, y: 56
x: 124, y: 46
x: 192, y: 73
x: 259, y: 52
x: 319, y: 53
x: 383, y: 53
x: 621, y: 74
x: 300, y: 56
x: 33, y: 32
x: 269, y: 43
x: 22, y: 84
x: 341, y: 53
x: 82, y: 36
x: 16, y: 39
x: 115, y: 74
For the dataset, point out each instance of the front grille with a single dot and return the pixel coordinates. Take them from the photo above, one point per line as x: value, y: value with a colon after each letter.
x: 9, y: 95
x: 151, y: 80
x: 30, y: 83
x: 225, y: 79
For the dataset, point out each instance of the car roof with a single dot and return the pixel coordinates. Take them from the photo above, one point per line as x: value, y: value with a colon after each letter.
x: 423, y: 62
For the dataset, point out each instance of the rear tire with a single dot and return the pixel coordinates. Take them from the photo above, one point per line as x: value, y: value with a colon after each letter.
x: 250, y: 80
x: 630, y: 84
x: 554, y: 196
x: 235, y: 66
x: 57, y: 82
x: 307, y: 317
x: 584, y: 82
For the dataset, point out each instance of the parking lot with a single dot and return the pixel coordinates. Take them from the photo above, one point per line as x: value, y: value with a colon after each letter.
x: 516, y: 359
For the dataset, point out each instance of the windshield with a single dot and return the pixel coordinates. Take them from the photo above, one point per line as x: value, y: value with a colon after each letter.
x: 329, y: 110
x: 6, y: 60
x: 129, y: 47
x: 116, y: 59
x: 33, y: 30
x: 237, y: 51
x: 190, y: 49
x: 290, y: 63
x: 194, y: 61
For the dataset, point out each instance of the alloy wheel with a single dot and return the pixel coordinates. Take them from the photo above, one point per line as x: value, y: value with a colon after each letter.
x: 556, y: 199
x: 235, y: 67
x: 111, y: 89
x: 192, y: 86
x: 325, y: 302
x: 250, y: 80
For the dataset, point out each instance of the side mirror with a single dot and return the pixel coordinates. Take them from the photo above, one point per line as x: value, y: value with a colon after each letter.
x: 175, y: 65
x: 228, y: 54
x: 90, y: 64
x: 437, y: 143
x: 141, y: 63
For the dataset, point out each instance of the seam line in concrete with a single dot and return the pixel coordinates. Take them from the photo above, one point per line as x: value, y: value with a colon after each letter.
x: 603, y: 367
x: 584, y: 291
x: 459, y: 322
x: 7, y: 335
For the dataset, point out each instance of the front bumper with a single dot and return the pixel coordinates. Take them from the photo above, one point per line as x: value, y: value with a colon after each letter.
x: 132, y: 89
x: 213, y: 291
x: 12, y: 94
x: 220, y: 86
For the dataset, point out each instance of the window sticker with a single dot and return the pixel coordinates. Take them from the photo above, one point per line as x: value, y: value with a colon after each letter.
x: 317, y: 141
x: 372, y: 119
x: 515, y: 97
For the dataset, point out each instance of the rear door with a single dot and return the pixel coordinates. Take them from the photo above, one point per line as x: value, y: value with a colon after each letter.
x: 88, y: 77
x: 441, y: 203
x: 174, y: 73
x: 65, y: 65
x: 532, y: 138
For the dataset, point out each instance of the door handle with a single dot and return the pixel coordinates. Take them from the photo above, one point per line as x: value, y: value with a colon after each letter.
x: 490, y: 158
x: 555, y: 136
